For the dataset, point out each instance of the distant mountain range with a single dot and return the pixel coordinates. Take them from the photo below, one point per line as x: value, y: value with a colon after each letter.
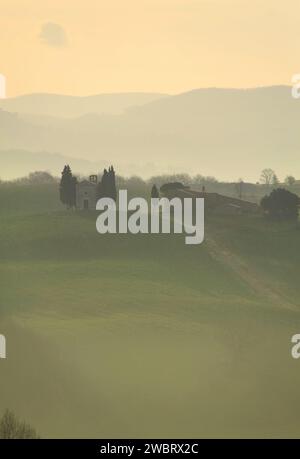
x: 56, y: 105
x: 228, y: 133
x: 18, y: 163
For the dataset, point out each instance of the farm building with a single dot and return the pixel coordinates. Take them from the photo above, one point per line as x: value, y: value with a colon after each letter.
x: 86, y: 193
x: 217, y: 203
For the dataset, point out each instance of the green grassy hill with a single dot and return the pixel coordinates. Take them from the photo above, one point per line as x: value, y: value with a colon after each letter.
x: 144, y: 336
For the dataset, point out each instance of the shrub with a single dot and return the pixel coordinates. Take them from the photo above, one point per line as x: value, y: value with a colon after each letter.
x: 281, y: 204
x: 12, y: 428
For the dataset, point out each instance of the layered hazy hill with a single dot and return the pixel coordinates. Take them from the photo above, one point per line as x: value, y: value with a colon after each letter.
x: 56, y: 105
x: 17, y: 163
x: 222, y: 132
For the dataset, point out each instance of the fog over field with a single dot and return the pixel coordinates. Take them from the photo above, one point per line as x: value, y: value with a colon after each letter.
x: 221, y: 132
x: 121, y: 336
x: 149, y: 221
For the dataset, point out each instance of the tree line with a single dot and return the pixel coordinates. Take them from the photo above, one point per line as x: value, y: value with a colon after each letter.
x: 280, y: 203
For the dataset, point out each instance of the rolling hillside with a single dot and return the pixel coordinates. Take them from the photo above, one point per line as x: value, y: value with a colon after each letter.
x: 221, y: 132
x: 122, y: 336
x: 57, y: 105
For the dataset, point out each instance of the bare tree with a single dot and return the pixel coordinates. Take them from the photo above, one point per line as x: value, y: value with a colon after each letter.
x: 267, y: 176
x: 12, y: 428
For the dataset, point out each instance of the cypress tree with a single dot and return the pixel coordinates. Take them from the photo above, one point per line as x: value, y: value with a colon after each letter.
x: 67, y: 187
x: 154, y: 192
x: 112, y: 184
x: 107, y: 187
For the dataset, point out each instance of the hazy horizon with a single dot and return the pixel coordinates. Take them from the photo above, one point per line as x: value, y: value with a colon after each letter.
x: 115, y: 325
x: 229, y: 134
x: 117, y: 93
x: 138, y: 65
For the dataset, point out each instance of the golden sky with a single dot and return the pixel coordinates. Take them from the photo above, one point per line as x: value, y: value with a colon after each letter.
x: 83, y: 47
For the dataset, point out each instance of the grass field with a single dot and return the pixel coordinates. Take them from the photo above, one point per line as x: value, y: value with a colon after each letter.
x: 144, y: 336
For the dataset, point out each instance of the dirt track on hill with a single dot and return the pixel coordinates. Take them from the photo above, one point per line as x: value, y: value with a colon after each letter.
x: 248, y: 274
x: 243, y: 269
